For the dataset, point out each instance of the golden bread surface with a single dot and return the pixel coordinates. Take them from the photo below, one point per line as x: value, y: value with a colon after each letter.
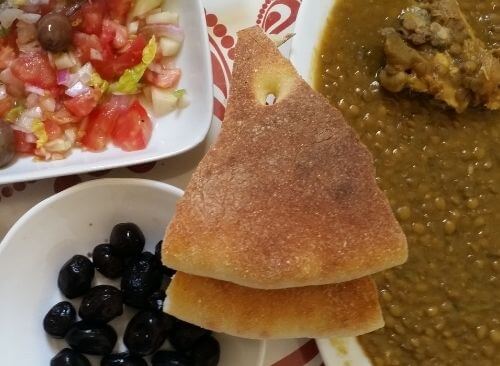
x: 287, y: 195
x: 338, y: 310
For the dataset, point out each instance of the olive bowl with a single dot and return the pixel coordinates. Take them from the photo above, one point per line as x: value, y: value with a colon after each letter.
x: 73, y: 222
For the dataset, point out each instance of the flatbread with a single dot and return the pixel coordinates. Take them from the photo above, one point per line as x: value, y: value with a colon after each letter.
x: 287, y: 195
x: 338, y: 310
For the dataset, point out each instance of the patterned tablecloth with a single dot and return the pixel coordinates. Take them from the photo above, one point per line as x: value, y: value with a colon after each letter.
x: 224, y: 19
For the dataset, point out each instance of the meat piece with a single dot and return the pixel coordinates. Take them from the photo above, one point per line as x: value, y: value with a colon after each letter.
x: 435, y: 51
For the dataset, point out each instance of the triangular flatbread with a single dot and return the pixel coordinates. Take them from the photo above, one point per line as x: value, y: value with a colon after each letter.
x: 287, y: 195
x: 338, y: 310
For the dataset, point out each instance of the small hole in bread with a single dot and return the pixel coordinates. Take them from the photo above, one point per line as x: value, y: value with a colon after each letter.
x: 270, y: 99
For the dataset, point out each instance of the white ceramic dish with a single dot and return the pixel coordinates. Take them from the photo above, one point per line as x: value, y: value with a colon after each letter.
x: 73, y: 222
x: 311, y: 21
x: 172, y: 134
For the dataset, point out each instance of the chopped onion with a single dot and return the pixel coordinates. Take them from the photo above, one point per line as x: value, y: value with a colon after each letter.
x: 63, y: 77
x: 20, y: 129
x: 58, y: 145
x: 163, y: 17
x: 84, y: 74
x: 9, y: 15
x: 30, y: 138
x: 32, y: 100
x: 95, y: 55
x: 164, y: 30
x: 25, y: 121
x: 64, y: 60
x: 169, y: 47
x: 78, y: 89
x: 70, y: 134
x: 35, y: 90
x: 3, y: 92
x: 119, y: 102
x: 133, y: 27
x: 14, y: 85
x: 29, y: 18
x: 35, y: 112
x: 48, y: 104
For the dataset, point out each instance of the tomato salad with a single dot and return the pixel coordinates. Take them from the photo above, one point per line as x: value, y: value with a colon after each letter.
x: 75, y: 73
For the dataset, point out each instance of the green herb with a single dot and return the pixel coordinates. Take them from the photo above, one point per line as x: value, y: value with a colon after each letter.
x: 179, y: 93
x: 129, y: 81
x: 14, y: 114
x: 4, y: 32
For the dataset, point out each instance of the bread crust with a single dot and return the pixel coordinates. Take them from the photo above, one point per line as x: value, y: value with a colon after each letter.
x: 287, y: 196
x: 338, y: 310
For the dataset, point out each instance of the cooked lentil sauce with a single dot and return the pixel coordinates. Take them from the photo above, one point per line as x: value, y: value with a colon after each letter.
x: 441, y: 173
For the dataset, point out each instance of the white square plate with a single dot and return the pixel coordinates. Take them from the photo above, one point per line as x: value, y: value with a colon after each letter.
x: 172, y: 134
x: 73, y: 222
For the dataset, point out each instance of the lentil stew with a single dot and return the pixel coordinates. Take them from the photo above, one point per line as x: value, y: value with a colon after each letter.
x: 441, y: 173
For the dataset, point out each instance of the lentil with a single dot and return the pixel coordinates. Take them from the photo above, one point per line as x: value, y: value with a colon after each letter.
x: 440, y: 172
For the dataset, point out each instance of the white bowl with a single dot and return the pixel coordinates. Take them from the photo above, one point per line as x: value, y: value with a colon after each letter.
x: 172, y: 134
x: 311, y: 20
x: 73, y: 222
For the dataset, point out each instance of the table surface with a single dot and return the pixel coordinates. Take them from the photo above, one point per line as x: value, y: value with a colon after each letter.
x: 224, y: 19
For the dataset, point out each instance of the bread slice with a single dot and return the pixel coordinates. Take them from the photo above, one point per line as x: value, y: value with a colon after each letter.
x: 287, y: 195
x: 338, y: 310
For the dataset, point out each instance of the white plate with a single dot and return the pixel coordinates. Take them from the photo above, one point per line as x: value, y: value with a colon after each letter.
x: 73, y: 222
x: 172, y: 134
x: 311, y: 21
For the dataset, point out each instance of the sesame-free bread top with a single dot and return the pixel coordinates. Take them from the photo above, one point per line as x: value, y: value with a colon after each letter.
x: 287, y: 196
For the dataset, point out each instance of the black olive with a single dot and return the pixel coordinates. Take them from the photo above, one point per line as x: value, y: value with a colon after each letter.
x: 155, y: 301
x: 127, y: 239
x: 75, y: 276
x: 168, y: 271
x: 123, y: 359
x: 59, y: 319
x: 91, y: 338
x: 205, y: 352
x: 170, y: 358
x: 69, y: 357
x: 147, y: 331
x: 7, y: 149
x: 55, y: 32
x: 184, y: 335
x: 101, y: 304
x: 141, y: 278
x: 107, y: 262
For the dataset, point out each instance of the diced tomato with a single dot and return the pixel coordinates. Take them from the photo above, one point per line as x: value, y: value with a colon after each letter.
x: 114, y: 34
x: 34, y: 68
x: 83, y: 104
x: 53, y: 130
x: 7, y: 55
x: 89, y: 17
x: 133, y: 128
x: 101, y: 122
x: 22, y: 146
x: 6, y: 104
x: 119, y: 9
x: 108, y: 32
x: 111, y: 69
x: 112, y: 65
x: 166, y: 79
x: 62, y: 117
